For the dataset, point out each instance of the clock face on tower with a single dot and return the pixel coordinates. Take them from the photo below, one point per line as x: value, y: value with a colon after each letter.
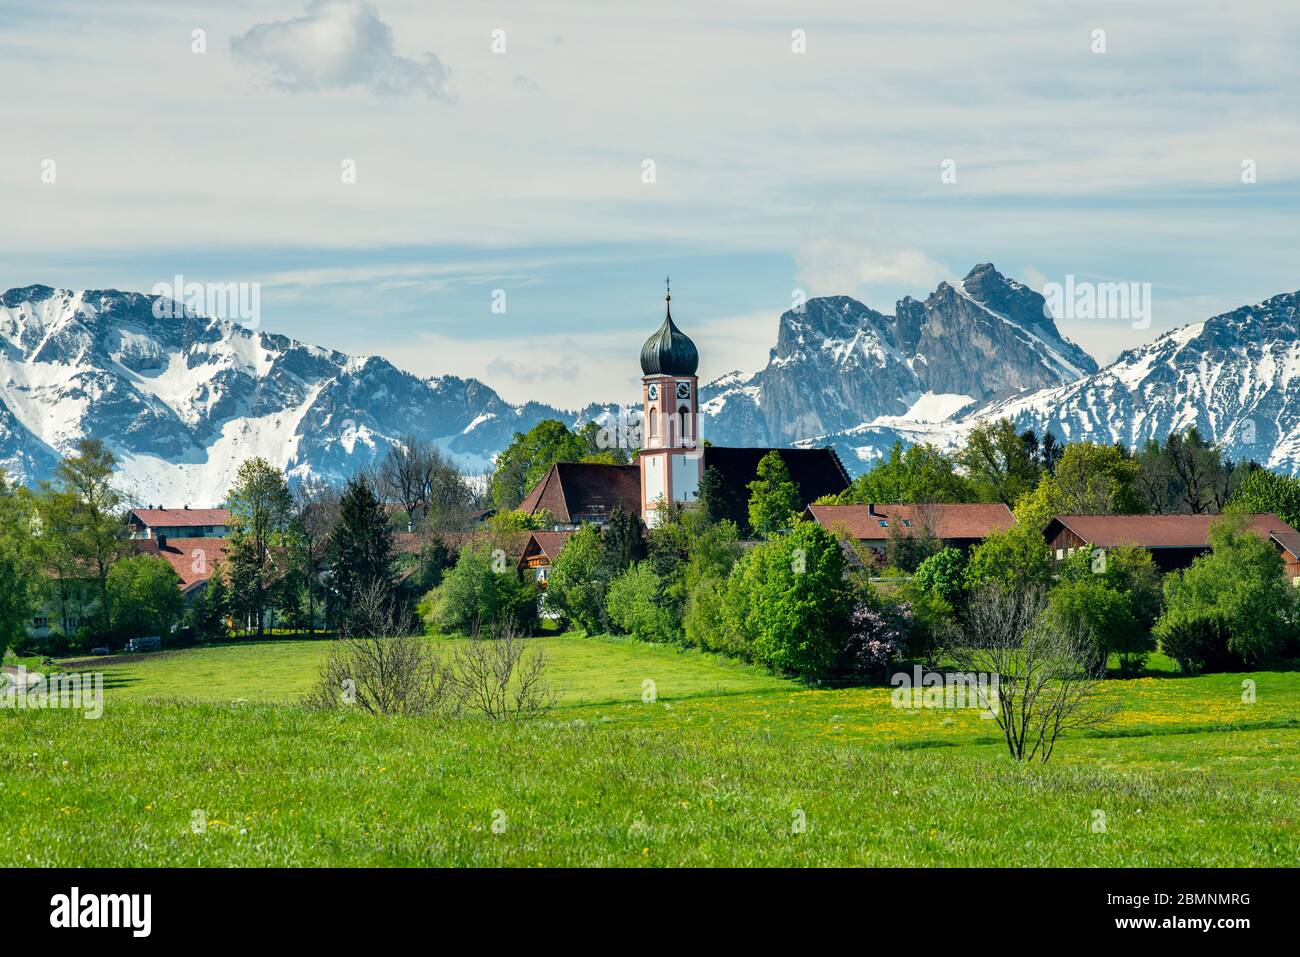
x: 652, y: 391
x: 683, y: 390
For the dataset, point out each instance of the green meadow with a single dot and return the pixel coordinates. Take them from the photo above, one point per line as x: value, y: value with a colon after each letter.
x: 202, y: 757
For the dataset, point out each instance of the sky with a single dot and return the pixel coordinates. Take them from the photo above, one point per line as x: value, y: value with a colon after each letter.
x: 503, y: 222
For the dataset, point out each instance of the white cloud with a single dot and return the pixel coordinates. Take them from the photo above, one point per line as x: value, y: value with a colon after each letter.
x: 830, y: 266
x: 334, y: 45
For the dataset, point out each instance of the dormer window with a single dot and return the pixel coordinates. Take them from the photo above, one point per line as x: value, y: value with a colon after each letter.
x: 883, y: 523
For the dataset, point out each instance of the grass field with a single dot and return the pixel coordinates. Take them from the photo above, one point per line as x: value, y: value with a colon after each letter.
x: 718, y: 770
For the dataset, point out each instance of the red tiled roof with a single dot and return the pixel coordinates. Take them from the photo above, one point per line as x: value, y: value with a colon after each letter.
x: 192, y: 558
x: 862, y: 522
x: 181, y: 517
x: 577, y: 491
x: 1156, y: 531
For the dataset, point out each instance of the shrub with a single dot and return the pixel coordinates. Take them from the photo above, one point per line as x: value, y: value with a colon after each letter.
x: 1238, y: 585
x: 382, y: 669
x: 1103, y: 614
x: 878, y: 635
x: 705, y: 621
x: 1197, y: 644
x: 480, y: 591
x: 636, y: 605
x: 788, y: 601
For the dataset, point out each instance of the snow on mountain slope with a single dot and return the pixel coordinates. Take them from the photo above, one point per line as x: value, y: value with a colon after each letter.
x: 183, y: 401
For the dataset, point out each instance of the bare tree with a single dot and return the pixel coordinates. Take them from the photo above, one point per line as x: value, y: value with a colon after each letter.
x: 503, y: 677
x: 383, y: 669
x: 1047, y: 671
x: 315, y: 513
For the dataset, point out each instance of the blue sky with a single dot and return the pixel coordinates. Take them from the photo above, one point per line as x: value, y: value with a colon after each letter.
x: 522, y: 170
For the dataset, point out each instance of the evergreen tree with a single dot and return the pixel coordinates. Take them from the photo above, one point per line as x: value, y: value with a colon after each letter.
x: 623, y: 541
x: 717, y: 503
x: 360, y: 550
x: 209, y: 610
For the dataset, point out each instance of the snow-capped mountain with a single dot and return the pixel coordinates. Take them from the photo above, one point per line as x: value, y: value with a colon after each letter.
x: 1235, y: 377
x: 838, y: 364
x: 183, y: 401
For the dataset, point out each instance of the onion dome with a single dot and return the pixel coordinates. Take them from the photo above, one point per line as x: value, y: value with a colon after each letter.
x: 669, y: 351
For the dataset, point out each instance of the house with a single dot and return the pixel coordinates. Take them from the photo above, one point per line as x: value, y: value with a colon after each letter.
x: 957, y: 526
x: 540, y: 551
x: 672, y: 454
x: 179, y: 523
x: 191, y: 558
x: 1173, y: 540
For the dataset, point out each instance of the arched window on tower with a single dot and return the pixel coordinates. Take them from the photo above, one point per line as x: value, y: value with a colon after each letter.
x: 654, y: 424
x: 684, y: 417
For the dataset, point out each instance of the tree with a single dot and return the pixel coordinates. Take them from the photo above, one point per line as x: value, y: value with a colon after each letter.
x: 787, y: 600
x: 920, y: 474
x: 773, y: 498
x: 315, y: 515
x: 261, y: 512
x: 416, y: 475
x: 144, y: 593
x: 907, y: 547
x: 1231, y: 607
x: 530, y: 455
x: 360, y: 554
x: 1265, y: 491
x: 1105, y: 614
x: 1186, y: 474
x: 19, y: 563
x: 717, y: 503
x: 1047, y: 669
x: 1001, y: 464
x: 209, y: 609
x: 1012, y: 559
x: 623, y: 541
x: 577, y: 580
x: 94, y: 512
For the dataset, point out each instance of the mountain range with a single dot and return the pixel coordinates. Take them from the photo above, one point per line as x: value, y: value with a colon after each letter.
x: 182, y: 401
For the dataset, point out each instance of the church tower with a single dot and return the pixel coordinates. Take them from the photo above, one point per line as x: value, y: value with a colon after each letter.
x: 672, y: 455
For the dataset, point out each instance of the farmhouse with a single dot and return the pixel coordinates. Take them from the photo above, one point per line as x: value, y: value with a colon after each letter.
x: 183, y: 522
x: 540, y: 551
x: 957, y: 526
x: 1173, y: 540
x: 673, y: 455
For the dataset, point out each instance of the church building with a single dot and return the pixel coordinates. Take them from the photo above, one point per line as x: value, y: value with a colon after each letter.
x: 673, y: 455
